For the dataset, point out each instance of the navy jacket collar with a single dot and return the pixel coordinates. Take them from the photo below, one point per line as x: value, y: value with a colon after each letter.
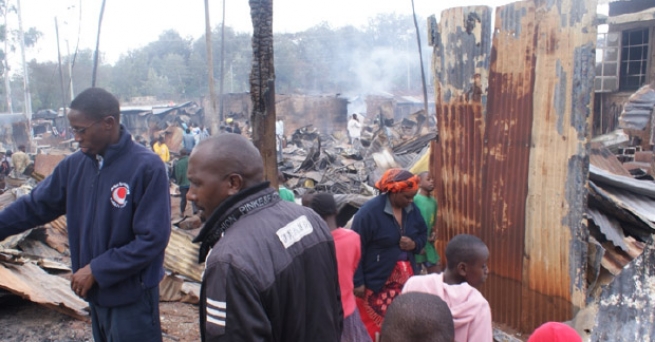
x: 116, y: 150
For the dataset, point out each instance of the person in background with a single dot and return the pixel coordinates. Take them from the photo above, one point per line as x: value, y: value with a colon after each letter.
x: 270, y: 266
x: 204, y: 133
x: 347, y: 245
x: 554, y: 332
x: 228, y: 125
x: 354, y: 129
x: 115, y: 195
x: 7, y: 157
x: 306, y: 199
x: 235, y: 128
x: 428, y: 207
x: 195, y: 130
x: 161, y: 149
x: 20, y: 160
x: 182, y: 181
x: 467, y: 258
x: 188, y: 140
x: 285, y: 193
x: 418, y: 317
x: 5, y: 169
x: 391, y: 230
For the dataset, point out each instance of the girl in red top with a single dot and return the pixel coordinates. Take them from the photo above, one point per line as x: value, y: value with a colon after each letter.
x: 347, y: 245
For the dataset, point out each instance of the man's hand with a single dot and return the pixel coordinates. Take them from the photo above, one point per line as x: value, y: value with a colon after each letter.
x: 407, y: 244
x: 360, y: 291
x: 82, y: 281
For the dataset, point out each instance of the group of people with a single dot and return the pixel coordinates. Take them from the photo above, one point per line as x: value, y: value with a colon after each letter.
x: 274, y: 270
x: 15, y: 162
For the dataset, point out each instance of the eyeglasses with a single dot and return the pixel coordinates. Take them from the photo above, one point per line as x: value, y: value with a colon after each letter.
x: 81, y: 131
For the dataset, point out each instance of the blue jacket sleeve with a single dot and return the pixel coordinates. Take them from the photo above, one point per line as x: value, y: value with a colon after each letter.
x: 45, y: 203
x: 151, y: 226
x: 361, y: 227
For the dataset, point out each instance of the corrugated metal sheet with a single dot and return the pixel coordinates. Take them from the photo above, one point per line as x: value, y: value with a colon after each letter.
x: 182, y: 254
x: 33, y: 283
x: 509, y: 128
x: 461, y: 58
x: 626, y: 307
x: 517, y: 176
x: 555, y: 233
x: 638, y: 110
x: 604, y: 159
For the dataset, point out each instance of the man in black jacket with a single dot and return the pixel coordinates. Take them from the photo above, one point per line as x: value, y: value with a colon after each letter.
x: 271, y: 271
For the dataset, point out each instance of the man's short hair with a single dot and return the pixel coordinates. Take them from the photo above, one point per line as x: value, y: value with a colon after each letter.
x: 324, y: 204
x: 96, y: 104
x: 463, y: 248
x: 418, y: 317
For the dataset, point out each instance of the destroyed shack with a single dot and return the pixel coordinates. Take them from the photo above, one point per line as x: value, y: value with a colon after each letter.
x: 149, y: 122
x: 327, y: 113
x: 625, y: 59
x: 396, y: 107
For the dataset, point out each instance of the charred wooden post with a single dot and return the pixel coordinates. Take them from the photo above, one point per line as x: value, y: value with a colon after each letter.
x: 262, y: 86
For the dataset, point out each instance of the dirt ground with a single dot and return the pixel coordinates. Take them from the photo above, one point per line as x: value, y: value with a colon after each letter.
x: 24, y: 321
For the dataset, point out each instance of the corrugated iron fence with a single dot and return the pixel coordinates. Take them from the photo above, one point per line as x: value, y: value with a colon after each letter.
x: 511, y: 163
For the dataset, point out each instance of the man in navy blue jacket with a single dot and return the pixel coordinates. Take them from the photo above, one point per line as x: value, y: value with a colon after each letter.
x: 115, y: 195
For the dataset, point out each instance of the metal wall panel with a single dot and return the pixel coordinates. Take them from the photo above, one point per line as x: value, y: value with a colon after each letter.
x: 509, y: 129
x: 462, y: 43
x: 514, y: 170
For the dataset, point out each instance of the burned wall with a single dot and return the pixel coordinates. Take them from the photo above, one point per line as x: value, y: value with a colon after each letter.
x: 511, y: 163
x: 327, y: 113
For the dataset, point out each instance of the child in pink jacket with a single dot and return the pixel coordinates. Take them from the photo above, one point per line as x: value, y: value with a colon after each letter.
x: 467, y: 269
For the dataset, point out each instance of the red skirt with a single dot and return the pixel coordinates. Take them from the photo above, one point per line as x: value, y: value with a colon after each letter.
x: 374, y: 306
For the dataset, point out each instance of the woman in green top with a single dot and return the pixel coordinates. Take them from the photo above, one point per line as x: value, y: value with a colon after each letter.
x: 428, y: 207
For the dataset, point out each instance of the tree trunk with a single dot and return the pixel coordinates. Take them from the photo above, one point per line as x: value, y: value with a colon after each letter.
x: 211, y: 116
x: 262, y: 86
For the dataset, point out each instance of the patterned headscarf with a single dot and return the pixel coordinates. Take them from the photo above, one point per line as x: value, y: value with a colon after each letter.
x: 397, y: 180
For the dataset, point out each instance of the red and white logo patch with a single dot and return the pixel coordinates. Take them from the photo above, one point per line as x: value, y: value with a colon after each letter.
x: 119, y: 194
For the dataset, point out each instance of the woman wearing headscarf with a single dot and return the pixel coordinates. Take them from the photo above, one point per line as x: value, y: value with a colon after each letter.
x: 391, y: 230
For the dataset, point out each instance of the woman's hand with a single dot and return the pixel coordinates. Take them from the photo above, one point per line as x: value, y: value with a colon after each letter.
x: 407, y: 244
x: 360, y: 291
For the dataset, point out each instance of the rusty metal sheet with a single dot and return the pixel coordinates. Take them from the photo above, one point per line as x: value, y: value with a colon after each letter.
x: 461, y: 44
x: 182, y: 254
x: 604, y: 159
x: 514, y: 171
x: 507, y: 137
x: 44, y: 164
x: 34, y: 284
x: 175, y: 289
x: 626, y: 305
x: 554, y: 285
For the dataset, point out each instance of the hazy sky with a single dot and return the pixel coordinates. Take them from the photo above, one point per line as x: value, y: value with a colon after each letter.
x: 130, y: 24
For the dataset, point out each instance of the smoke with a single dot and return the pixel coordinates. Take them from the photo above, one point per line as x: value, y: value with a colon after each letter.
x: 384, y: 70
